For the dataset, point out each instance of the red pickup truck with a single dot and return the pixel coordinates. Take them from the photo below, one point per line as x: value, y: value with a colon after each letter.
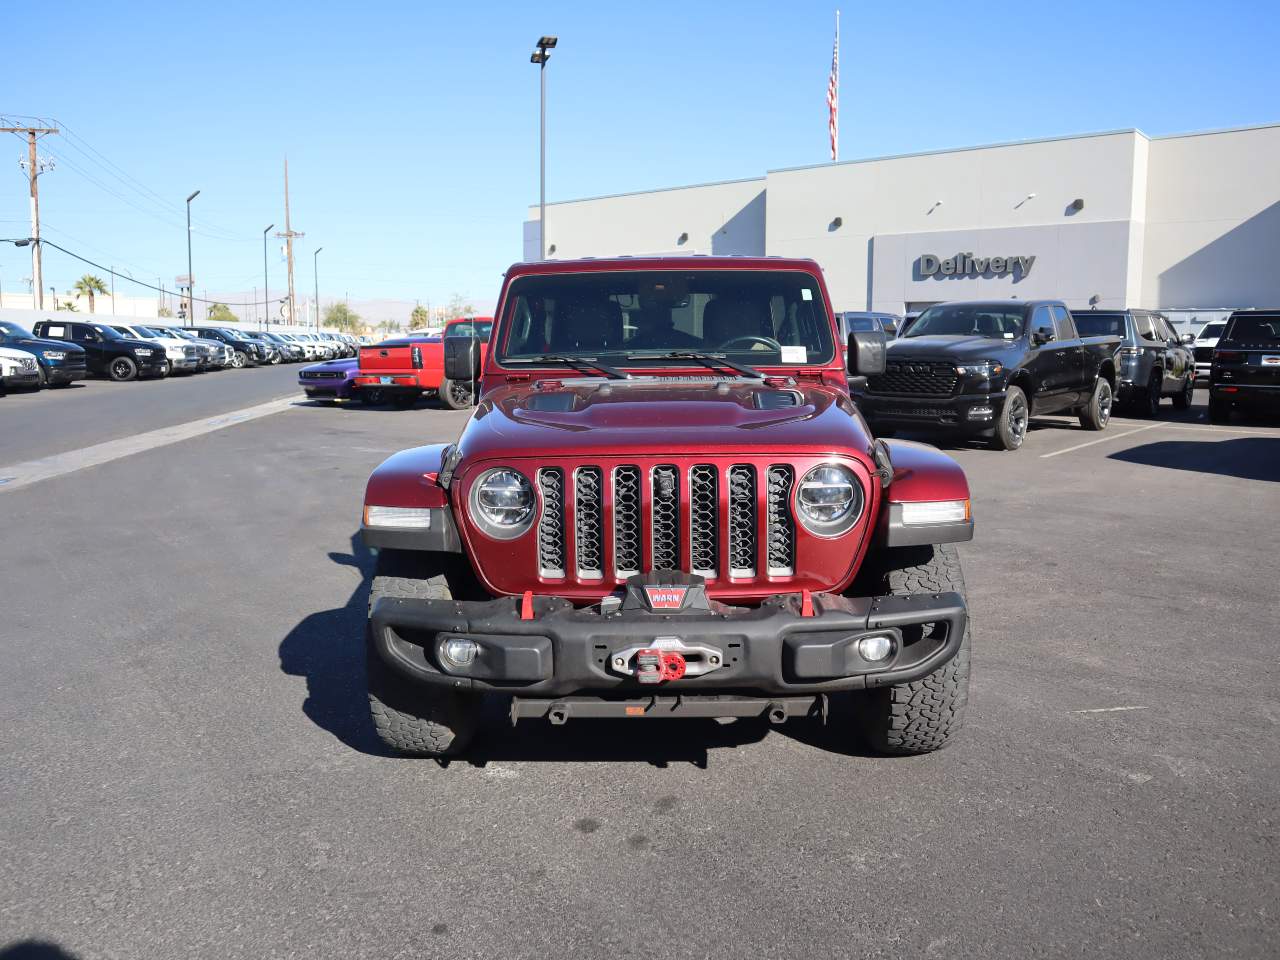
x: 406, y: 368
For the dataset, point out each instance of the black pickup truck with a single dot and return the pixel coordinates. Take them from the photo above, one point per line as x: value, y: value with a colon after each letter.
x: 986, y: 367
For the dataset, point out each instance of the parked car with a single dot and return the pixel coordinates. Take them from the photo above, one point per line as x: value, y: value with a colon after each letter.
x: 18, y: 370
x: 690, y: 521
x: 246, y: 352
x: 1205, y: 341
x: 851, y: 320
x: 409, y: 367
x: 108, y: 353
x: 214, y: 354
x: 60, y: 363
x: 984, y: 368
x: 274, y: 352
x: 1154, y: 361
x: 180, y: 356
x: 336, y: 380
x: 1245, y: 371
x: 290, y: 352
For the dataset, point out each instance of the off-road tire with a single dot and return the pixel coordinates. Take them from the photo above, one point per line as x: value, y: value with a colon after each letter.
x: 1096, y: 414
x: 1008, y: 435
x: 923, y: 715
x: 1182, y: 399
x: 413, y: 718
x: 1219, y: 410
x: 455, y: 394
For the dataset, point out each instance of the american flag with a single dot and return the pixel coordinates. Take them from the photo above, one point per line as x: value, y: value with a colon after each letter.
x: 833, y: 96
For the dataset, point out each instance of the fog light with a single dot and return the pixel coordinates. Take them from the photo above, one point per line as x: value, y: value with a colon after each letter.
x: 979, y: 413
x: 875, y: 649
x: 458, y: 652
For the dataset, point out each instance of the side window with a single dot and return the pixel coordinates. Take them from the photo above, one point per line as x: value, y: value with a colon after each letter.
x: 1062, y: 323
x: 1042, y: 323
x: 1148, y: 328
x: 81, y: 333
x: 1169, y: 332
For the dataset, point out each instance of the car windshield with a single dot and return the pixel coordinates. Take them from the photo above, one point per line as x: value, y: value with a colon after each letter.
x: 12, y: 330
x: 1090, y: 323
x: 862, y: 324
x: 149, y: 332
x: 1262, y: 329
x: 990, y: 320
x: 759, y: 317
x: 1212, y: 331
x: 480, y: 328
x: 108, y: 333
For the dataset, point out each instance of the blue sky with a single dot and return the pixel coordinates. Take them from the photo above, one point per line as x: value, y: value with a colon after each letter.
x: 411, y: 128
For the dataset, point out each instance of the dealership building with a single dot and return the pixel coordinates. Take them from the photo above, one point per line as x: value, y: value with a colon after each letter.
x: 1189, y: 224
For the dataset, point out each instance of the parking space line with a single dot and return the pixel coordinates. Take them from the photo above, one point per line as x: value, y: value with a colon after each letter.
x: 20, y: 475
x: 1090, y: 443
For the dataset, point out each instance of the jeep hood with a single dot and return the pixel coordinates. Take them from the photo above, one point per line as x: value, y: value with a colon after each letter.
x: 656, y: 417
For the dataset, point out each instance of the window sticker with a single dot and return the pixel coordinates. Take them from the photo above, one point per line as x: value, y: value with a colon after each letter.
x: 57, y: 331
x: 795, y: 354
x: 806, y: 293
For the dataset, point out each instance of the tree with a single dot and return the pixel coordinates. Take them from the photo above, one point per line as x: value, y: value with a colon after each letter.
x: 68, y: 305
x: 87, y: 286
x: 164, y: 312
x: 459, y: 306
x: 221, y: 313
x: 340, y: 316
x: 419, y: 318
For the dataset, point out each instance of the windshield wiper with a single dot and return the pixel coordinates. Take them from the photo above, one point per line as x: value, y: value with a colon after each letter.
x: 583, y: 364
x: 713, y: 361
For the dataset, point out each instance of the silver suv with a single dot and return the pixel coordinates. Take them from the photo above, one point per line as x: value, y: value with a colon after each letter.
x: 1154, y: 361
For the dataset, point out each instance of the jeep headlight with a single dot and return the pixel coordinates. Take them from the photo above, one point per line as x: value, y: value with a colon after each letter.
x: 829, y: 500
x: 983, y: 371
x: 502, y: 503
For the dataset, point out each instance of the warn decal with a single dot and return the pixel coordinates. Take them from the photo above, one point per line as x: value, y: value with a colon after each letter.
x: 665, y: 598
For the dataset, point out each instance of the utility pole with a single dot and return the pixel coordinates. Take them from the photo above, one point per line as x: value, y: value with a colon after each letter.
x: 35, y: 167
x: 540, y: 57
x: 287, y: 236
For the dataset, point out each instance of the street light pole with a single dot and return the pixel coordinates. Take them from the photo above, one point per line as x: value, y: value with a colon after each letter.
x: 315, y: 272
x: 540, y: 57
x: 266, y: 295
x: 191, y: 280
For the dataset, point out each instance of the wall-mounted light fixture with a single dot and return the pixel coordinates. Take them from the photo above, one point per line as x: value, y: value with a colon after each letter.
x: 1077, y: 204
x: 551, y: 249
x: 683, y: 239
x: 936, y: 205
x: 837, y: 223
x: 1029, y: 196
x: 1095, y: 300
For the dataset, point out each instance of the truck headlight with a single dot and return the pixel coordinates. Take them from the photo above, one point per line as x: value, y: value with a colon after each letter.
x: 983, y: 371
x: 142, y: 352
x: 55, y: 355
x: 829, y: 500
x: 502, y: 502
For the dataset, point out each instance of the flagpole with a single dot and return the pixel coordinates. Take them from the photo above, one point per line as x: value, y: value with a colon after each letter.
x: 836, y: 149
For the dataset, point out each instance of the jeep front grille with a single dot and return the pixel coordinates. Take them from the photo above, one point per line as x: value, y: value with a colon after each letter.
x: 608, y: 523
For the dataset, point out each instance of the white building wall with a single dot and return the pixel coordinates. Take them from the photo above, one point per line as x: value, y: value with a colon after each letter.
x: 1213, y: 220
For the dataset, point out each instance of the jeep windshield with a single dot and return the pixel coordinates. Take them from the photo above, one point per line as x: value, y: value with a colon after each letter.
x: 969, y: 320
x: 643, y: 318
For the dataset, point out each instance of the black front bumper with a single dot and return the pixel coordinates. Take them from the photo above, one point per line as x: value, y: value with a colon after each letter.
x: 767, y: 650
x: 64, y: 373
x: 966, y: 412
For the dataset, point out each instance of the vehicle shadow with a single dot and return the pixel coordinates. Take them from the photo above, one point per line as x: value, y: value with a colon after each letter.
x: 34, y: 950
x: 1248, y: 458
x: 327, y: 650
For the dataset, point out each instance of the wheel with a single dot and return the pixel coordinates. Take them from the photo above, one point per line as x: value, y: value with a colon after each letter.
x: 42, y: 377
x: 1219, y: 410
x: 371, y: 398
x: 403, y: 400
x: 921, y: 716
x: 1011, y: 429
x: 121, y: 369
x: 168, y: 368
x: 455, y: 394
x: 238, y: 359
x: 414, y: 718
x: 1182, y: 399
x: 1096, y: 414
x: 1148, y: 402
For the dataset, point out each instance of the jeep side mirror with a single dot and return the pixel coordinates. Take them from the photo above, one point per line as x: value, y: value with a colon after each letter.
x: 866, y: 356
x: 462, y: 358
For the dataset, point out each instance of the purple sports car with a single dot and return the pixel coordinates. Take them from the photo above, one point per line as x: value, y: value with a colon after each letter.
x: 335, y: 380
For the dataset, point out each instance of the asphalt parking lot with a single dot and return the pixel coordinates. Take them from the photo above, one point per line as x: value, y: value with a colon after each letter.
x: 189, y: 770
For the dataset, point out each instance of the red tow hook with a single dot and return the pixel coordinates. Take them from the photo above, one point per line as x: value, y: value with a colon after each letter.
x: 526, y: 605
x: 655, y: 666
x: 806, y: 603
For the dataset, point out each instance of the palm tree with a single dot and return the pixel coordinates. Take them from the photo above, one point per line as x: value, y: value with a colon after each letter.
x: 87, y: 286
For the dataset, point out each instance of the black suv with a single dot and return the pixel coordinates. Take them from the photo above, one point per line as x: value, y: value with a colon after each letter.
x: 108, y: 354
x: 60, y: 363
x: 248, y: 352
x: 1154, y: 361
x: 1245, y: 371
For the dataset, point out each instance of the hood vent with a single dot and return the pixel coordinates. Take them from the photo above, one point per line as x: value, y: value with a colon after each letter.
x: 776, y: 399
x: 563, y: 402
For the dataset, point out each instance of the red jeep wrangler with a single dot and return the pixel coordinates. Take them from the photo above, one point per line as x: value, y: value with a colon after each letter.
x: 406, y: 368
x: 666, y: 505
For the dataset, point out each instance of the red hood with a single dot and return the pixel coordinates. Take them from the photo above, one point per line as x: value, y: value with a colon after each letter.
x: 677, y: 415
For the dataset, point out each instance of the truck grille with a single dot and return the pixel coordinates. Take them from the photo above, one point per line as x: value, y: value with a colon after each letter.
x: 630, y: 518
x: 921, y: 378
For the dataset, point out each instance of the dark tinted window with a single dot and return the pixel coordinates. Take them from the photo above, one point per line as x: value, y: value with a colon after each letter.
x: 969, y: 320
x: 1259, y: 329
x: 1062, y: 323
x: 1091, y: 323
x: 1211, y: 331
x: 1042, y: 323
x: 1148, y: 328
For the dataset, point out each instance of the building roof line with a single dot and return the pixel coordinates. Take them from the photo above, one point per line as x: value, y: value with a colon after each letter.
x: 641, y: 193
